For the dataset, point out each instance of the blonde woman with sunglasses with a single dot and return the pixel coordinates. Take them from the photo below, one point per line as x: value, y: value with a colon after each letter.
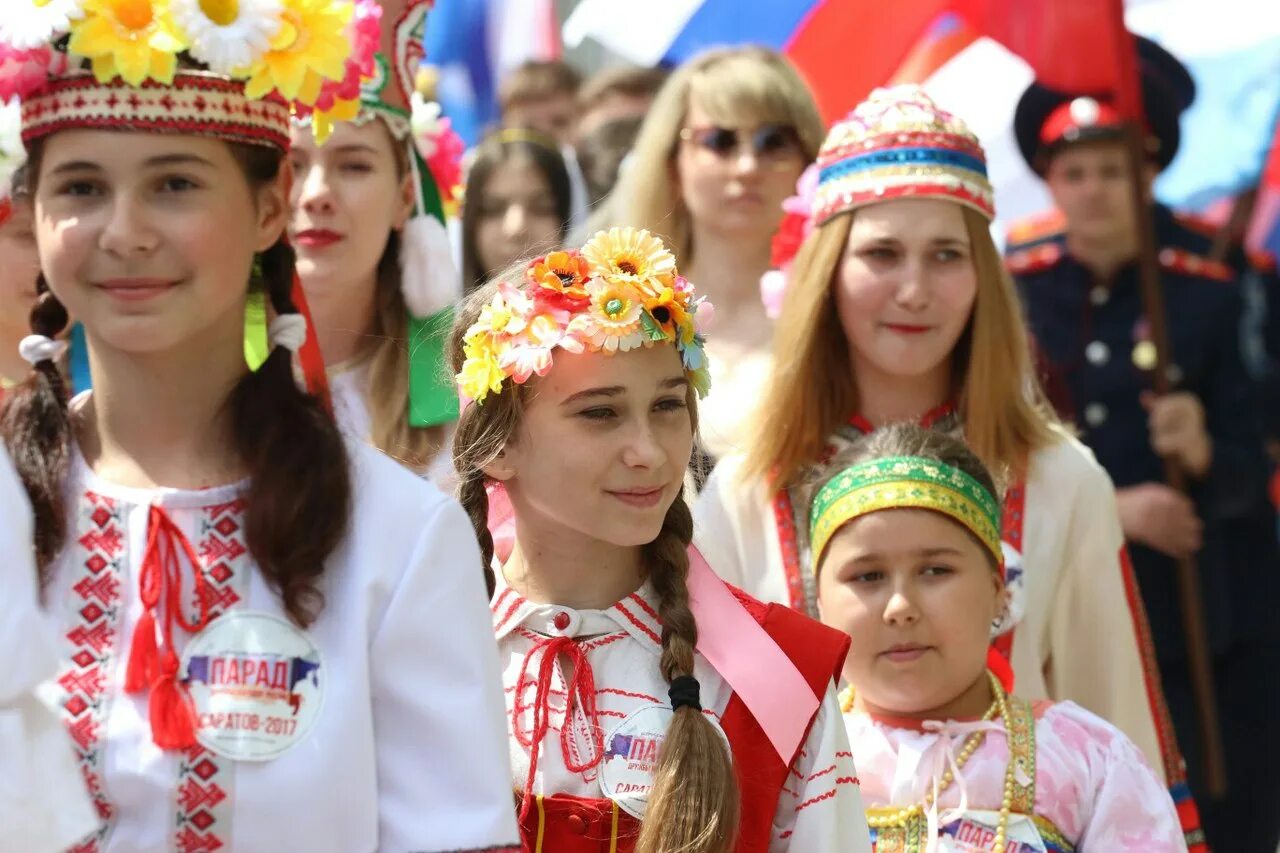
x: 722, y: 147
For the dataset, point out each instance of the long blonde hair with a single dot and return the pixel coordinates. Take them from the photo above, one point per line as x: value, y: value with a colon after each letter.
x: 387, y: 392
x: 729, y: 84
x: 812, y: 389
x: 694, y: 803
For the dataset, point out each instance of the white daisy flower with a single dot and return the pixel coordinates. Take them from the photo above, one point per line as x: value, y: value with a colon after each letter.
x: 227, y: 35
x: 31, y: 23
x: 426, y: 124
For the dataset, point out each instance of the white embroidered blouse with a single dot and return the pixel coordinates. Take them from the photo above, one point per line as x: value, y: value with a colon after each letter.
x: 394, y: 741
x: 820, y: 809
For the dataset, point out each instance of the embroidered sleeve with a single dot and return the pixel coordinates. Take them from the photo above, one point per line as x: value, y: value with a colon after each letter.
x: 1102, y: 669
x: 820, y: 807
x: 444, y: 778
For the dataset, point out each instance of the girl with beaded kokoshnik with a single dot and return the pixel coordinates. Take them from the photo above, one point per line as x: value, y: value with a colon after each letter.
x: 907, y: 559
x: 652, y: 707
x: 249, y: 608
x: 897, y: 308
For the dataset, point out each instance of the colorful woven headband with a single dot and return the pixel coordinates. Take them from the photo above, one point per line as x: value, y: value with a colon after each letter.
x: 622, y: 291
x: 904, y: 482
x: 114, y: 64
x: 899, y: 144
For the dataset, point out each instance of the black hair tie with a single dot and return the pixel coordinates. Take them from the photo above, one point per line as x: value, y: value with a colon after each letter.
x: 684, y: 691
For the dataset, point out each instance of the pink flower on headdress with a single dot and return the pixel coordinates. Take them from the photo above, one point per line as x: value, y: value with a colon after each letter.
x: 530, y: 351
x: 24, y: 71
x: 446, y: 162
x: 795, y: 228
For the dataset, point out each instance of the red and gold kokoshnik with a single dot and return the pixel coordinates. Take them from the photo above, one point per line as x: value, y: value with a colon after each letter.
x: 195, y: 103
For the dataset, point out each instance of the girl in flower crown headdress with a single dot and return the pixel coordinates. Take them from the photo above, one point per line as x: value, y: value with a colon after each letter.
x: 265, y: 633
x: 652, y: 707
x: 369, y: 205
x: 907, y: 560
x: 898, y: 308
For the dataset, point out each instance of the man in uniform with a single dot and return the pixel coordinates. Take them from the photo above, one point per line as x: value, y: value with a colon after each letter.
x: 1079, y: 282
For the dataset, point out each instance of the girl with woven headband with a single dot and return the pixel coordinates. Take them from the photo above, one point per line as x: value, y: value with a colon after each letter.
x: 907, y: 560
x: 374, y: 174
x: 265, y: 633
x: 897, y: 308
x: 652, y: 708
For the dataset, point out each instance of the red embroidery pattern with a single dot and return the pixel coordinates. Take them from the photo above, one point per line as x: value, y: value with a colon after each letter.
x: 790, y: 547
x: 95, y: 610
x: 203, y: 787
x: 1015, y: 501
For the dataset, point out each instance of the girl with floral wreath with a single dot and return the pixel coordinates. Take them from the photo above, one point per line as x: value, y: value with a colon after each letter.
x: 652, y: 707
x: 265, y: 632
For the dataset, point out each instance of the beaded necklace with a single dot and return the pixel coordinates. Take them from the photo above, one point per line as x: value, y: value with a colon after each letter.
x: 999, y: 708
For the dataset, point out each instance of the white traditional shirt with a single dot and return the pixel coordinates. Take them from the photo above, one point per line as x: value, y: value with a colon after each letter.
x: 727, y: 413
x: 43, y: 804
x: 1079, y: 613
x: 387, y: 734
x: 819, y: 811
x: 1089, y: 784
x: 348, y: 388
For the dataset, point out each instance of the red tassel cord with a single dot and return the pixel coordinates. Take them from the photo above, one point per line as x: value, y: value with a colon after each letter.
x: 153, y: 661
x: 581, y: 690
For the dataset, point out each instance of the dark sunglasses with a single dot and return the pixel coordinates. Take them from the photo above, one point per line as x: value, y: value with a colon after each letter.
x: 767, y: 142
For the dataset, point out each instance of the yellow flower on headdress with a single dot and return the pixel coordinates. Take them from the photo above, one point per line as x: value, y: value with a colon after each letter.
x: 131, y: 39
x: 614, y: 322
x: 666, y: 307
x: 227, y: 35
x: 632, y: 256
x: 312, y: 38
x: 480, y: 375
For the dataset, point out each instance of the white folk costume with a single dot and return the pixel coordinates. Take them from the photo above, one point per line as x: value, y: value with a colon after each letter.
x: 583, y: 766
x: 1085, y: 787
x: 309, y: 739
x: 1067, y: 564
x: 587, y: 701
x: 383, y: 90
x: 1024, y: 777
x: 203, y: 717
x: 44, y: 807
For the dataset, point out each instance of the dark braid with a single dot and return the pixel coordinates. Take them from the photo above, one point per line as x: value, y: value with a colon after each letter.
x: 299, y: 501
x: 475, y: 500
x: 36, y: 426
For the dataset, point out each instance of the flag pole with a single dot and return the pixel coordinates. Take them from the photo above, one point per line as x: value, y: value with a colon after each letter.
x: 1188, y: 574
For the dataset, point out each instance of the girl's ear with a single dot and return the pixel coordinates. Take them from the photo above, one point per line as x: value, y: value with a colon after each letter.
x: 501, y: 468
x: 408, y: 197
x: 273, y: 208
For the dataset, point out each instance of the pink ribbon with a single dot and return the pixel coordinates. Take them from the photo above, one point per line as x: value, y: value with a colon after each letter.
x: 744, y: 654
x: 730, y: 638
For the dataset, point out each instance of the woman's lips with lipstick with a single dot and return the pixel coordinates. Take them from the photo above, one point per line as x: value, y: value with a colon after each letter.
x: 907, y: 328
x: 316, y: 238
x: 135, y: 289
x: 641, y: 498
x: 905, y: 652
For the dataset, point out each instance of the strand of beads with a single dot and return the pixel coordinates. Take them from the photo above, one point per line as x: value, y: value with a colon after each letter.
x: 1002, y: 826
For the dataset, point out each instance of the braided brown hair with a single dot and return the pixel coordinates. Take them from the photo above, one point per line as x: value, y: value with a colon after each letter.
x: 694, y: 803
x: 299, y: 497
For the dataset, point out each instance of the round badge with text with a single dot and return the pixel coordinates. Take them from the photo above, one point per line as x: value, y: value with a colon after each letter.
x: 257, y: 682
x: 631, y: 756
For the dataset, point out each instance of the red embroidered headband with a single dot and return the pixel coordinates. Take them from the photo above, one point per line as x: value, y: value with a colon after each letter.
x: 114, y: 64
